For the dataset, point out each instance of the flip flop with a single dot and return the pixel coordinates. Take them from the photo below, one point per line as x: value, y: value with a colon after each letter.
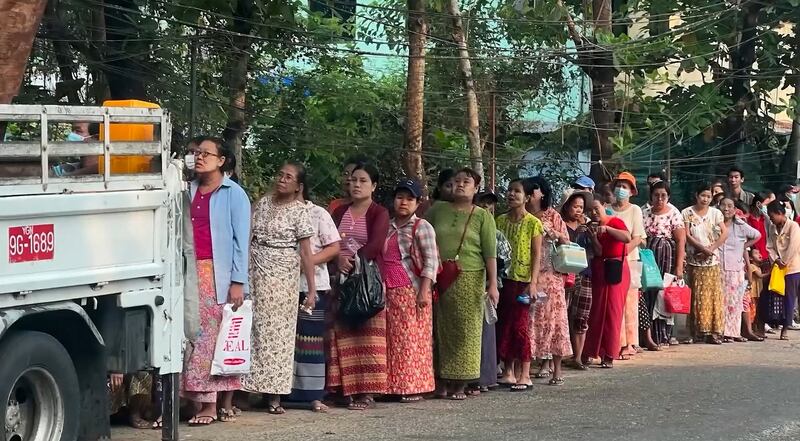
x: 158, y: 424
x: 519, y: 388
x: 411, y: 399
x: 458, y: 396
x: 226, y: 416
x: 276, y: 410
x: 202, y: 420
x: 558, y: 381
x: 358, y: 405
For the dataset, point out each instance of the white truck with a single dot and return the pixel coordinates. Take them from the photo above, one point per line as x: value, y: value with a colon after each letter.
x: 91, y: 280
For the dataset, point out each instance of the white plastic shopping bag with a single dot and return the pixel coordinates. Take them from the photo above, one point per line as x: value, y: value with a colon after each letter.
x: 232, y: 353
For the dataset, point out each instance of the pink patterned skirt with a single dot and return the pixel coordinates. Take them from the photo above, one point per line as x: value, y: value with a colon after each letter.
x: 197, y: 382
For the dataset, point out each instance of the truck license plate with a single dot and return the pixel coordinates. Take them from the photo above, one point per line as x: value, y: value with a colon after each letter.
x: 31, y: 243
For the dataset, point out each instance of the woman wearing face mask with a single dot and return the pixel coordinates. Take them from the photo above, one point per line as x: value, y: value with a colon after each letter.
x: 706, y: 233
x: 410, y: 262
x: 220, y: 226
x: 549, y: 324
x: 281, y: 228
x: 624, y: 189
x: 666, y: 237
x: 783, y: 243
x: 757, y: 218
x: 357, y: 356
x: 524, y: 233
x: 467, y: 234
x: 610, y: 280
x: 740, y: 237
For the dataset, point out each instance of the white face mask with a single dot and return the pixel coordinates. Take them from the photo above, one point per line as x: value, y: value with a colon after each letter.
x: 188, y: 161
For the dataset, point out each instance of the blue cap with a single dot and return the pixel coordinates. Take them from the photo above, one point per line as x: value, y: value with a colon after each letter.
x: 410, y: 184
x: 585, y: 182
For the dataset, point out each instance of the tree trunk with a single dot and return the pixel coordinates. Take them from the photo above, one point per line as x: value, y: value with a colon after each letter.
x: 473, y: 130
x: 99, y: 87
x: 792, y: 155
x: 68, y: 85
x: 603, y: 74
x: 743, y: 57
x: 19, y: 20
x: 124, y: 71
x: 415, y: 88
x: 237, y: 80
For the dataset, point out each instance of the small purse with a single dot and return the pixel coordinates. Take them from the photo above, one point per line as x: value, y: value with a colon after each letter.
x: 450, y: 267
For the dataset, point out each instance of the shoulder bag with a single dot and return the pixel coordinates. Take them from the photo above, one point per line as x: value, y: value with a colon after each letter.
x: 450, y: 267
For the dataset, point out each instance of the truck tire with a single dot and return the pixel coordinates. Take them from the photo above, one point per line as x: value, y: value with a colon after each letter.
x: 39, y: 395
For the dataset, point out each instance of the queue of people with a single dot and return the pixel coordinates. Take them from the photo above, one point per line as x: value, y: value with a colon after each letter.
x: 450, y: 269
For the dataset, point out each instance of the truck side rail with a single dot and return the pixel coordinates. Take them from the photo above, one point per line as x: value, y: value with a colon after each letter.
x: 42, y: 150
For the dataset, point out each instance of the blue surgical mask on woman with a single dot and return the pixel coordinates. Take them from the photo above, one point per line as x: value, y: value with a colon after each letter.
x: 609, y: 212
x: 622, y: 193
x: 74, y: 137
x: 763, y: 210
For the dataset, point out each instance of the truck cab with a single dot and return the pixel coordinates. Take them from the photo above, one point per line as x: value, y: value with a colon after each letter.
x: 91, y: 280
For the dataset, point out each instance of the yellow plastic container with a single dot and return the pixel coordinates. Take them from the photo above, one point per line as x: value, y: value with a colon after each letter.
x: 128, y: 132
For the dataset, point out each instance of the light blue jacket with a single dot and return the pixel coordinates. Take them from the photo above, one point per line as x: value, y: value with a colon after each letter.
x: 229, y: 211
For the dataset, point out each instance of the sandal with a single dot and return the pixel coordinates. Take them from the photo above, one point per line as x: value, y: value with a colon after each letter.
x: 558, y: 381
x: 158, y: 424
x: 410, y: 399
x: 624, y: 357
x: 225, y: 415
x: 740, y: 340
x: 202, y: 420
x: 458, y: 396
x: 519, y: 388
x: 471, y: 392
x: 543, y: 374
x: 275, y: 410
x: 358, y: 405
x: 606, y: 364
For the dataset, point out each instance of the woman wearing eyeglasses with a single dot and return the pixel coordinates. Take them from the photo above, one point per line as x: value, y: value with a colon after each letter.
x: 281, y: 227
x: 220, y: 218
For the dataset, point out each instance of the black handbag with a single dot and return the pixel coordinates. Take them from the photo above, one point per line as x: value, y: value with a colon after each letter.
x: 361, y: 294
x: 612, y: 269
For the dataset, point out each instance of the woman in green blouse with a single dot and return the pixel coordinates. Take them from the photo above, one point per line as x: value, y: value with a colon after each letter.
x: 460, y: 309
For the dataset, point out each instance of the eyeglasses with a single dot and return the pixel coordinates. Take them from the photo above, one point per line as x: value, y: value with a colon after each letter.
x: 203, y: 154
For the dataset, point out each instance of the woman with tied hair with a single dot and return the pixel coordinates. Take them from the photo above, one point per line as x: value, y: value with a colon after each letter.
x: 706, y: 233
x: 549, y: 325
x: 220, y: 219
x: 467, y: 234
x: 666, y: 238
x: 732, y: 264
x: 357, y: 355
x: 579, y: 296
x: 609, y: 284
x: 281, y: 228
x: 520, y: 285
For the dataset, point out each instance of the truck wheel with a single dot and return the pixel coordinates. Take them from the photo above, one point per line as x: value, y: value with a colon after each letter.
x: 39, y: 395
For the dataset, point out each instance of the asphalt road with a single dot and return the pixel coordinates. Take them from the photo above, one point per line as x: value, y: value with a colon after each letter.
x: 734, y: 392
